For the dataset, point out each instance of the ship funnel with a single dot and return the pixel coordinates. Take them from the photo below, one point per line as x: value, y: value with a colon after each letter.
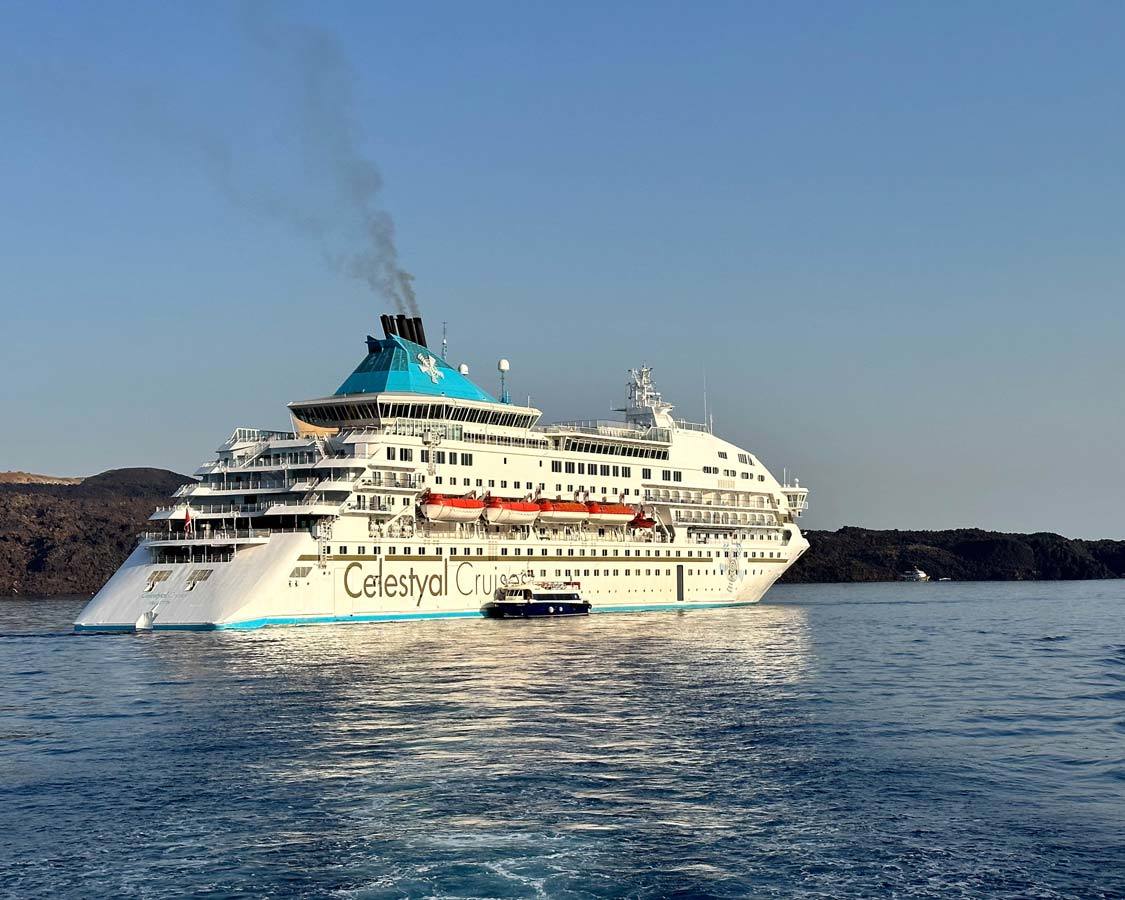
x: 419, y: 331
x: 402, y: 323
x: 388, y: 324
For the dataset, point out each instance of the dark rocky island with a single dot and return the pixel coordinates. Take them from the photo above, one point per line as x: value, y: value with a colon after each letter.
x: 67, y: 536
x: 961, y: 554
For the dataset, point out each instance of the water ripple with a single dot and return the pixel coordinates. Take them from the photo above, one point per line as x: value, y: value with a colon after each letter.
x: 920, y: 740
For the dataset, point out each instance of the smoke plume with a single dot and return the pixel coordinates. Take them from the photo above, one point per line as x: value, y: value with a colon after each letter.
x: 317, y: 113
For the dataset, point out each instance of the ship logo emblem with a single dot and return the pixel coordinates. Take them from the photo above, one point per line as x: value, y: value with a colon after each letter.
x: 428, y: 365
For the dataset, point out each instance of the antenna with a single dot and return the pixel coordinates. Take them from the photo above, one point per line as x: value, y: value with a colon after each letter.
x: 444, y: 342
x: 503, y: 367
x: 706, y: 418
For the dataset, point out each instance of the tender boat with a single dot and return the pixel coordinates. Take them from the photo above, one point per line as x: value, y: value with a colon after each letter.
x: 442, y: 508
x: 562, y: 512
x: 510, y: 512
x: 541, y: 599
x: 613, y: 514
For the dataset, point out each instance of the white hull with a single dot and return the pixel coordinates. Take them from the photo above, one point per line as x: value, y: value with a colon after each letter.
x: 258, y: 588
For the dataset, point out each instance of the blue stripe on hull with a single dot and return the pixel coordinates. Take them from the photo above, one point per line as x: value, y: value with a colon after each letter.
x: 269, y: 621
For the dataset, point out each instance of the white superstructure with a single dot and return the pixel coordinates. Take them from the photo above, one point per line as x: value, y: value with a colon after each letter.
x: 412, y: 493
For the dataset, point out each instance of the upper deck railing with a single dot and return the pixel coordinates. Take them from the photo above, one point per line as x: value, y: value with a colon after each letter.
x: 615, y: 429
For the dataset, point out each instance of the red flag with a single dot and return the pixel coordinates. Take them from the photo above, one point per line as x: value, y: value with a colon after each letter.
x: 187, y: 519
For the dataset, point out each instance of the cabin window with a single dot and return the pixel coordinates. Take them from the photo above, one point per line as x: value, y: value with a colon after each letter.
x: 556, y: 465
x: 424, y: 455
x: 722, y: 454
x: 646, y: 474
x: 390, y: 453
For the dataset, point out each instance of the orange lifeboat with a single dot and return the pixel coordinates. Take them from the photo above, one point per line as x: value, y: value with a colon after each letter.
x: 610, y: 513
x: 562, y: 512
x: 441, y: 508
x: 510, y: 512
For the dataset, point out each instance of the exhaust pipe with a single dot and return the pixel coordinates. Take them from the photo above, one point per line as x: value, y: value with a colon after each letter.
x: 402, y: 323
x: 388, y: 324
x: 419, y: 331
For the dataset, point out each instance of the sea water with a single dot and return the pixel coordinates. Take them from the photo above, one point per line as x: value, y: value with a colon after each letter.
x: 933, y: 740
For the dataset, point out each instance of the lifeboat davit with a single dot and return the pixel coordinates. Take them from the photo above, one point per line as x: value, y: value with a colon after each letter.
x: 510, y: 512
x: 440, y: 508
x: 562, y: 512
x: 610, y: 513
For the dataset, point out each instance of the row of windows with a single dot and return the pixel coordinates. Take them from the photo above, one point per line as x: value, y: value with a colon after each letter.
x: 335, y: 413
x: 442, y: 457
x: 585, y: 573
x: 601, y: 447
x: 361, y: 550
x: 729, y: 473
x: 605, y: 471
x: 604, y: 492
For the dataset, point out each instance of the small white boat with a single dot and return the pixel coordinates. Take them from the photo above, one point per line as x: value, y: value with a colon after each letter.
x: 915, y: 574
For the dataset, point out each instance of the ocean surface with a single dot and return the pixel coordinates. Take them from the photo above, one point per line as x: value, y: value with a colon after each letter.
x: 932, y: 740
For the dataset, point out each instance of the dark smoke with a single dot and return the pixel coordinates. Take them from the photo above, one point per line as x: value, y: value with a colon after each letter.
x: 320, y: 116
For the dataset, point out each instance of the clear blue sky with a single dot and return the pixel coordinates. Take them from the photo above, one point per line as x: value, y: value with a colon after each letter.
x: 892, y: 235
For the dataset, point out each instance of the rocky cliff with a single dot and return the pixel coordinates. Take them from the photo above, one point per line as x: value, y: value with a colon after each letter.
x: 963, y: 554
x: 69, y: 538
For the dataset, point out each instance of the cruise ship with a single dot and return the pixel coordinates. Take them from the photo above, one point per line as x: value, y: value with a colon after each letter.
x: 411, y: 493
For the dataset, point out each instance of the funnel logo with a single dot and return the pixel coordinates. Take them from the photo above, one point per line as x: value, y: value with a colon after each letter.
x: 428, y: 365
